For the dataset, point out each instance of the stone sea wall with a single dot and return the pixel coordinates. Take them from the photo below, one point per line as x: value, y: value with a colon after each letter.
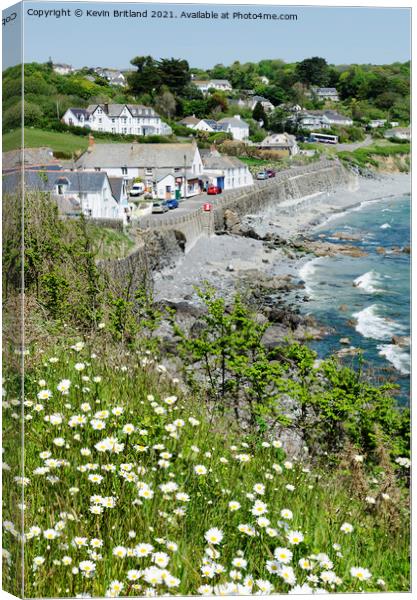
x: 160, y: 247
x: 288, y: 185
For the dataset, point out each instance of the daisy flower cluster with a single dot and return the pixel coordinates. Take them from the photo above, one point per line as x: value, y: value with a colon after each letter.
x: 128, y: 489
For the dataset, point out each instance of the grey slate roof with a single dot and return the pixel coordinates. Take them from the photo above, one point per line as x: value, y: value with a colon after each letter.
x: 137, y: 155
x: 31, y: 156
x: 115, y: 110
x: 116, y: 184
x: 78, y: 112
x: 214, y: 160
x: 234, y: 122
x: 45, y: 181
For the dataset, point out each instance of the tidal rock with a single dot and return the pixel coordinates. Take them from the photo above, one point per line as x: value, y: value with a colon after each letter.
x: 344, y: 340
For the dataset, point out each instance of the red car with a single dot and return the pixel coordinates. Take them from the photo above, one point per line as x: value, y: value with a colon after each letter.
x: 213, y: 190
x: 270, y: 172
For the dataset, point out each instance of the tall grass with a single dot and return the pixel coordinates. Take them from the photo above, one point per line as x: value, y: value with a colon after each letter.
x: 78, y: 394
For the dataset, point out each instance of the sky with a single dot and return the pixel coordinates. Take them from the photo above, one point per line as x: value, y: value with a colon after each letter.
x: 340, y: 35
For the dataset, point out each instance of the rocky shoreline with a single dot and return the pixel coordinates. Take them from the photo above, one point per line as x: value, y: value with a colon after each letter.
x: 260, y: 256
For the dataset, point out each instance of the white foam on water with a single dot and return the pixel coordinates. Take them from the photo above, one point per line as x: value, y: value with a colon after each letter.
x: 371, y: 325
x: 397, y: 356
x: 306, y: 273
x: 385, y: 226
x: 368, y: 282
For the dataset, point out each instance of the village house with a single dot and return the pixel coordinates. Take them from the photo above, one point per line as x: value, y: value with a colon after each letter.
x: 377, y: 123
x: 222, y: 85
x: 190, y: 121
x: 398, y: 133
x: 36, y: 158
x: 62, y: 69
x: 133, y: 119
x: 152, y: 163
x: 325, y: 93
x: 252, y: 102
x: 236, y: 126
x: 226, y: 172
x: 113, y: 76
x: 280, y: 141
x: 76, y: 193
x: 321, y: 119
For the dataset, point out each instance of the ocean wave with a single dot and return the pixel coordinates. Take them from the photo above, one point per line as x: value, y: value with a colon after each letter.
x: 371, y: 325
x: 306, y: 273
x: 385, y: 226
x: 397, y: 356
x: 368, y: 282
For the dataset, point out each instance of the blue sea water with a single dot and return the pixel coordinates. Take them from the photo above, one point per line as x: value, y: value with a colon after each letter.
x: 366, y: 299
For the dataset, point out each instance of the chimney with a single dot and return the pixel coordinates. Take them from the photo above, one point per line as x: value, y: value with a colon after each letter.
x: 106, y: 108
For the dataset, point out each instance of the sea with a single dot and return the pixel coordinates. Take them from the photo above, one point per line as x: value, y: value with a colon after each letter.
x: 366, y: 299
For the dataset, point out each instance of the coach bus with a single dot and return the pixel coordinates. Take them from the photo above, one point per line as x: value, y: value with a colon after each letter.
x: 324, y: 138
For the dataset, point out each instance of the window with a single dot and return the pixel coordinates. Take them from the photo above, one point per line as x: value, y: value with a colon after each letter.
x: 100, y: 120
x: 97, y: 168
x: 124, y: 170
x: 148, y: 171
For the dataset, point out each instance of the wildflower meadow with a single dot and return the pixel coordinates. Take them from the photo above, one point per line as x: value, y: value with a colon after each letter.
x: 130, y: 489
x: 130, y: 469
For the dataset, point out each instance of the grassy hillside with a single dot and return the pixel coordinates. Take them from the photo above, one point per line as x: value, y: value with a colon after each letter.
x: 36, y: 138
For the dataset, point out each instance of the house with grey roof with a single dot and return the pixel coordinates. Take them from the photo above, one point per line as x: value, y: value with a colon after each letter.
x: 236, y: 126
x: 33, y: 157
x: 226, y: 172
x: 281, y: 142
x: 325, y: 93
x: 398, y: 133
x: 76, y: 192
x: 149, y: 162
x: 222, y: 85
x: 132, y: 119
x: 321, y: 119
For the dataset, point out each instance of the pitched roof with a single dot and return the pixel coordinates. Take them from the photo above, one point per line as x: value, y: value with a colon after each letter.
x: 29, y: 156
x: 115, y: 110
x: 192, y: 120
x: 45, y: 181
x: 216, y: 161
x: 138, y: 155
x: 78, y: 112
x: 116, y: 185
x: 234, y: 122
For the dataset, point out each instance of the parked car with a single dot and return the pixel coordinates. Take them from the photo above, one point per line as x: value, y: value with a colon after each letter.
x: 159, y: 208
x: 213, y: 190
x: 137, y: 189
x: 270, y: 172
x: 173, y: 203
x: 262, y: 175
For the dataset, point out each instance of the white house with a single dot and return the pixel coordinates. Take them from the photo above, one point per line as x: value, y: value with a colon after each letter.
x: 134, y: 119
x: 226, y: 172
x: 325, y: 93
x: 399, y: 133
x: 377, y: 123
x: 236, y: 126
x: 150, y: 162
x: 87, y: 193
x: 62, y: 68
x: 280, y: 141
x: 222, y: 85
x: 321, y: 119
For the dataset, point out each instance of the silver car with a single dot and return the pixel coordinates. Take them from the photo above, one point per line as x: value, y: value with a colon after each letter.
x: 159, y: 208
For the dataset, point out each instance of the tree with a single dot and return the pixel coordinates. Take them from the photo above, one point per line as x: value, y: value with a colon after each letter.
x: 259, y: 115
x: 174, y: 73
x: 277, y: 120
x: 165, y: 103
x: 146, y: 78
x: 313, y: 71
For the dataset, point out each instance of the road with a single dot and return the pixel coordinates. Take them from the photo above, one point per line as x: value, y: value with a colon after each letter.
x: 353, y: 146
